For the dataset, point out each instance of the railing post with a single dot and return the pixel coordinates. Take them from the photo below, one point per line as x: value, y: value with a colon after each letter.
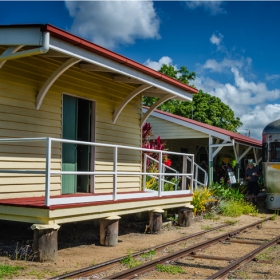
x: 115, y: 170
x: 184, y: 170
x: 48, y: 169
x: 160, y: 175
x: 192, y: 171
x: 196, y: 176
x: 144, y: 170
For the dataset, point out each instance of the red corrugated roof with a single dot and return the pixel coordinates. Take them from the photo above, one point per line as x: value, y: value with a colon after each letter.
x: 236, y: 136
x: 59, y: 33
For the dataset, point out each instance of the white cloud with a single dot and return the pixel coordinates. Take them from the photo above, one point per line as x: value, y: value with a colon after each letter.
x: 156, y: 65
x: 256, y: 119
x: 213, y: 7
x: 216, y: 40
x: 225, y: 64
x: 272, y: 77
x: 112, y: 23
x: 250, y: 101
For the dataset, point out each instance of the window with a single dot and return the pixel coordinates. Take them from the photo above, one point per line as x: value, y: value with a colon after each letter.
x: 274, y: 152
x: 264, y: 152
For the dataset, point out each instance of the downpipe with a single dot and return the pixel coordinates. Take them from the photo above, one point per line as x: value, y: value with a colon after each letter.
x: 43, y: 49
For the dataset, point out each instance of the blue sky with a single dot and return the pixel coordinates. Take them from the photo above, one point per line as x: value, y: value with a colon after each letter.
x: 234, y: 47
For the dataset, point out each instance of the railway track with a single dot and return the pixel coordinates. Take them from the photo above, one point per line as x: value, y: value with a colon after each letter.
x: 193, y: 251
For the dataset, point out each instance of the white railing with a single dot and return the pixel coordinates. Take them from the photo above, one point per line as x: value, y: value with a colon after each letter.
x: 164, y: 168
x: 186, y: 177
x: 196, y: 178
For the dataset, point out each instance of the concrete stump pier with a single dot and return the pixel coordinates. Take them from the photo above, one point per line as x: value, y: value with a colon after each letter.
x: 45, y: 244
x: 109, y: 231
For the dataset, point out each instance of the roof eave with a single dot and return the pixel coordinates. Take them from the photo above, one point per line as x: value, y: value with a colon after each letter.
x: 54, y: 31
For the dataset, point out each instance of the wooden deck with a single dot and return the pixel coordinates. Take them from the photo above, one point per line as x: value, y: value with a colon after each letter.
x: 34, y: 210
x: 39, y: 202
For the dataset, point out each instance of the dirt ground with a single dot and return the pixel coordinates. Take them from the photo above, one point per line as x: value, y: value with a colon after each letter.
x: 79, y: 245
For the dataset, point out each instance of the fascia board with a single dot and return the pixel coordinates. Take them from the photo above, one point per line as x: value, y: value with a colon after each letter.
x: 248, y: 145
x: 90, y: 57
x: 192, y: 126
x: 14, y: 36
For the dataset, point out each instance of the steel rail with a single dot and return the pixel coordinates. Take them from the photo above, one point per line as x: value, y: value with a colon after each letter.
x: 244, y: 260
x: 148, y: 266
x: 87, y: 270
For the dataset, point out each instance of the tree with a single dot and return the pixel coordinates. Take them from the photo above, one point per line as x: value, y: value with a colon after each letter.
x: 204, y: 108
x: 209, y: 109
x: 183, y: 75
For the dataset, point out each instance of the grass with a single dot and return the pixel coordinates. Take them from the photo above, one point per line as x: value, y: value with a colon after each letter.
x: 148, y: 255
x: 22, y: 253
x: 206, y: 227
x: 235, y: 208
x: 211, y: 216
x: 274, y: 216
x: 129, y: 261
x: 231, y: 222
x: 242, y: 274
x: 42, y: 274
x: 171, y: 269
x: 8, y: 271
x: 265, y: 256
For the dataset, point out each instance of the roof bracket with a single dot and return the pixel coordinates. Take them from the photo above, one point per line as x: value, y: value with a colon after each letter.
x: 134, y: 93
x: 154, y: 106
x: 53, y: 77
x: 8, y: 51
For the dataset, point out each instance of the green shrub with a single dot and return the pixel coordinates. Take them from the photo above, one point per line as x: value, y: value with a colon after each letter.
x: 235, y: 208
x: 226, y: 192
x: 201, y: 198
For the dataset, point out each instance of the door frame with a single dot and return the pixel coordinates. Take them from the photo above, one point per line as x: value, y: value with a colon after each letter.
x: 92, y: 136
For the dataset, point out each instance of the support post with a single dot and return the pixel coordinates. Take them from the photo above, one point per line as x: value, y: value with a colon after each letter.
x: 155, y: 220
x: 184, y: 170
x: 109, y: 231
x: 185, y: 216
x: 45, y: 242
x: 210, y: 160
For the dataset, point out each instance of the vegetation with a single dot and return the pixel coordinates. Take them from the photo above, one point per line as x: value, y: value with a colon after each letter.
x: 231, y: 222
x: 235, y: 208
x: 148, y: 255
x: 129, y: 261
x: 8, y: 271
x: 202, y: 198
x: 152, y: 162
x: 226, y: 192
x: 221, y: 199
x: 172, y: 269
x: 274, y: 216
x: 211, y: 215
x: 204, y: 108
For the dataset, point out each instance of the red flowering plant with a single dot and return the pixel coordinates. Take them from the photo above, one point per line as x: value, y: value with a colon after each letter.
x: 153, y: 144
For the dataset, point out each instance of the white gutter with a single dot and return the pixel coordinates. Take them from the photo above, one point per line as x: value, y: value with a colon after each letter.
x: 43, y: 49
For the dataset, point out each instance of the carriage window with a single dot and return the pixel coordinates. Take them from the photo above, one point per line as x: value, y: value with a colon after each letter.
x: 264, y: 152
x: 275, y: 152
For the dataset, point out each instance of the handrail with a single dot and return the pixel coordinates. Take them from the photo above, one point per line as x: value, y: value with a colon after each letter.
x: 196, y: 180
x: 48, y: 172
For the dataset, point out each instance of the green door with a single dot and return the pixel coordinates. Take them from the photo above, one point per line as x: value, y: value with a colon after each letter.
x: 69, y: 151
x: 83, y: 151
x: 76, y: 126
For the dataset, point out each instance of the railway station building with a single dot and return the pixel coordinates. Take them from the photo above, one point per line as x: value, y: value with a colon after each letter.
x: 71, y: 132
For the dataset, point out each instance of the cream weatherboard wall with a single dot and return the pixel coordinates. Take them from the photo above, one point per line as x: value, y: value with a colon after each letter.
x: 20, y: 81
